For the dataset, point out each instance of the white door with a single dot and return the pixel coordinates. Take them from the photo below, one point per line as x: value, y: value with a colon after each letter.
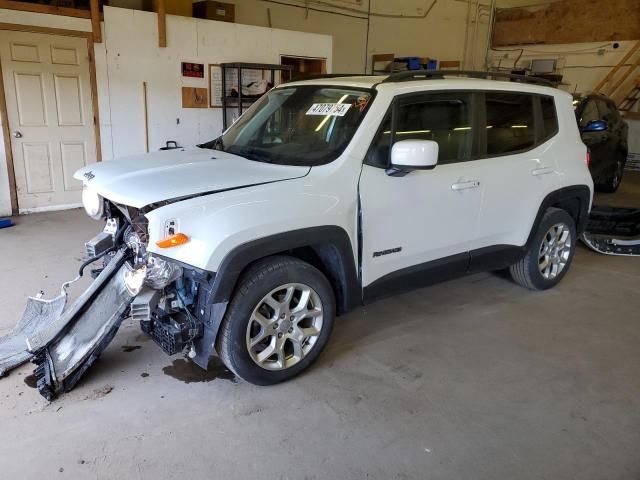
x: 51, y: 120
x: 519, y: 168
x: 410, y: 221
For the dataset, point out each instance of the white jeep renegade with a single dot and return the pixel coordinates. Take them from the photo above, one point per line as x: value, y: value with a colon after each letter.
x: 329, y: 193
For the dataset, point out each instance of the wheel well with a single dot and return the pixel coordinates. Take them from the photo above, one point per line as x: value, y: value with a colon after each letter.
x: 328, y: 259
x: 573, y: 206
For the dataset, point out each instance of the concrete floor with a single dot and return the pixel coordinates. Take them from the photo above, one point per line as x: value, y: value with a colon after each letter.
x: 475, y: 378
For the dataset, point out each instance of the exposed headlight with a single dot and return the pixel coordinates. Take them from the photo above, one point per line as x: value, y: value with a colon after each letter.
x: 134, y: 279
x: 92, y: 202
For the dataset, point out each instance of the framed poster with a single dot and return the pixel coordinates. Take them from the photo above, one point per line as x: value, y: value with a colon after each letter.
x: 215, y: 85
x: 215, y: 81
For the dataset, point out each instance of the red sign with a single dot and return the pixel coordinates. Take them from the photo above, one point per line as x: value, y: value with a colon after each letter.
x: 192, y: 70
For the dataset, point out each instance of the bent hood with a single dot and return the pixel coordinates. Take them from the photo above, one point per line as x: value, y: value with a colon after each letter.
x: 141, y: 180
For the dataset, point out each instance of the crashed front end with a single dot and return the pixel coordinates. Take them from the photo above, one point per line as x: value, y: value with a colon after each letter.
x: 159, y: 293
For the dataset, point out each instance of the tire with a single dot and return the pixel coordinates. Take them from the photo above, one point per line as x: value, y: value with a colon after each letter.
x: 259, y: 320
x: 531, y: 271
x: 612, y: 183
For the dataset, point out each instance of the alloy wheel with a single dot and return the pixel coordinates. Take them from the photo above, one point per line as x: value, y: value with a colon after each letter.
x: 284, y: 326
x: 554, y: 251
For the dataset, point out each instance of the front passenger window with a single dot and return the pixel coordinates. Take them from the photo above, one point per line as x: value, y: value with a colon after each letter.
x: 444, y: 118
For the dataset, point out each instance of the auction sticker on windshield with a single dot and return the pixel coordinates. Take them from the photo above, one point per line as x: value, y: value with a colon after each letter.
x: 330, y: 109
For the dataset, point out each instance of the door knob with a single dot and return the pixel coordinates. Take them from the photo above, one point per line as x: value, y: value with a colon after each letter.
x: 17, y: 134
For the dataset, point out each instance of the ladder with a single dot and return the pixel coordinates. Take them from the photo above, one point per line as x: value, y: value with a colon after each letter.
x: 630, y: 100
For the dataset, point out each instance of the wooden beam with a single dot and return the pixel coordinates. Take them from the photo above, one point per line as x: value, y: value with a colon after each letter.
x: 50, y: 9
x: 13, y: 193
x: 614, y: 70
x: 95, y: 21
x: 162, y: 24
x: 94, y: 97
x: 37, y: 29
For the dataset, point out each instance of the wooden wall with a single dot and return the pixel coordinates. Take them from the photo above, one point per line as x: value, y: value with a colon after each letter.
x: 568, y: 21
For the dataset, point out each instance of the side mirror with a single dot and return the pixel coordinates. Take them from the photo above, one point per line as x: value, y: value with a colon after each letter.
x: 596, y: 126
x: 414, y: 155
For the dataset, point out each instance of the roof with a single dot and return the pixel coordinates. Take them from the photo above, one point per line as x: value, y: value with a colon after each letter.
x: 442, y: 80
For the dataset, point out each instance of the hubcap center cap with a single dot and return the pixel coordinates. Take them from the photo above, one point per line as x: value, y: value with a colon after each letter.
x: 284, y: 326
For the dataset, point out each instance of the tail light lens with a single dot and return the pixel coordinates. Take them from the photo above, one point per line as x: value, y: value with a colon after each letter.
x: 588, y: 158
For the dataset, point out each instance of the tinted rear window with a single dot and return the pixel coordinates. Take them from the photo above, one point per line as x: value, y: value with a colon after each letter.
x: 549, y: 118
x: 510, y: 123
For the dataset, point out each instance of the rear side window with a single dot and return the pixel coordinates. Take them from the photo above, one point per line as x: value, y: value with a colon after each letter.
x: 589, y: 113
x: 549, y: 117
x: 510, y: 122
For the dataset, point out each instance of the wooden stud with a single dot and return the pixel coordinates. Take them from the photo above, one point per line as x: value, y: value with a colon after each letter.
x: 162, y: 24
x: 94, y: 97
x: 4, y: 117
x: 95, y: 21
x: 146, y: 117
x: 49, y: 30
x: 50, y: 9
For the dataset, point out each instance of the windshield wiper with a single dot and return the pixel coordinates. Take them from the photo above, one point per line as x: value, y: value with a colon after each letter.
x: 253, y: 154
x: 215, y: 144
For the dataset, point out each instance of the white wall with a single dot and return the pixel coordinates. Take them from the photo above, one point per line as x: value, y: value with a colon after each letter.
x: 130, y: 56
x: 582, y: 65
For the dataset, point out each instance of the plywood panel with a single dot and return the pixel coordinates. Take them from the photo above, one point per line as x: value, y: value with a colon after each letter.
x: 74, y: 157
x: 37, y: 166
x: 569, y: 21
x: 30, y: 99
x: 68, y: 100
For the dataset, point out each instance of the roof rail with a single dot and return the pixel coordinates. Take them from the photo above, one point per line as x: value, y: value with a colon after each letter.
x: 413, y: 75
x: 331, y: 75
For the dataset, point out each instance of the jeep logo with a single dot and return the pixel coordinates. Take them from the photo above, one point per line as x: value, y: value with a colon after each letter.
x: 89, y: 175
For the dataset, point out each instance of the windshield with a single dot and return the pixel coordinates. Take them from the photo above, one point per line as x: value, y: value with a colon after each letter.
x: 305, y: 125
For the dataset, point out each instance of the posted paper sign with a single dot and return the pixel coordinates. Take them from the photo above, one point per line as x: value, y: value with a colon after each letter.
x: 329, y: 109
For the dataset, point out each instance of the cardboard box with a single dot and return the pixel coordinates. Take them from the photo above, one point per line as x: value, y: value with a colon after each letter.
x: 171, y: 7
x: 223, y: 12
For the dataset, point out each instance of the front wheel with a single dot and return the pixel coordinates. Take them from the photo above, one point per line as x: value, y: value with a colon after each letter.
x: 550, y: 253
x: 278, y: 321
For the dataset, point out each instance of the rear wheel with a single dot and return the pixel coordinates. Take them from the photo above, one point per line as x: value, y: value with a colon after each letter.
x: 278, y: 321
x: 612, y: 183
x: 550, y: 253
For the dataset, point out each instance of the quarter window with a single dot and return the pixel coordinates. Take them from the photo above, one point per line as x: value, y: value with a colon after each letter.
x: 589, y: 114
x: 510, y: 123
x: 549, y: 118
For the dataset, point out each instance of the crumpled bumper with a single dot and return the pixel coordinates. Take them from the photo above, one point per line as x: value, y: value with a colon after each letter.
x: 613, y: 231
x: 64, y: 343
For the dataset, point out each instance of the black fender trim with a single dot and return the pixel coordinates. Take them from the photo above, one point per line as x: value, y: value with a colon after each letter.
x: 579, y: 193
x: 333, y: 247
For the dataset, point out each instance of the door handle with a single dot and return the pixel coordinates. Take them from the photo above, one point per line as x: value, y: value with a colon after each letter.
x: 465, y: 185
x: 17, y: 134
x: 542, y: 171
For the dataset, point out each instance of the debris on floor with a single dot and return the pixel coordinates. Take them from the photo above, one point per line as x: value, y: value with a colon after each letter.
x: 613, y: 231
x: 5, y: 223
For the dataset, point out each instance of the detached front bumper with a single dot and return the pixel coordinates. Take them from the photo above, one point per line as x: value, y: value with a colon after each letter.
x: 65, y: 348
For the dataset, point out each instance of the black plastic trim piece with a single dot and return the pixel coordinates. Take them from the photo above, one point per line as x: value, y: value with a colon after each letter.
x: 239, y: 258
x: 495, y: 257
x: 417, y: 276
x: 579, y: 193
x: 417, y: 75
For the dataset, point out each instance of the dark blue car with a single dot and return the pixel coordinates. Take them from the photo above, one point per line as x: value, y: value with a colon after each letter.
x: 604, y: 132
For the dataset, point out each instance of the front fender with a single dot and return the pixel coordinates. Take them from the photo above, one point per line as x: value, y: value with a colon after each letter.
x: 218, y: 223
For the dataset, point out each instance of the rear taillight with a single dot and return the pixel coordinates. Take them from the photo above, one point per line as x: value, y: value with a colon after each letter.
x: 588, y: 158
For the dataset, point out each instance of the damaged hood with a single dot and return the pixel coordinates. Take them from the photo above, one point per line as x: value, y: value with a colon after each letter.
x: 141, y: 180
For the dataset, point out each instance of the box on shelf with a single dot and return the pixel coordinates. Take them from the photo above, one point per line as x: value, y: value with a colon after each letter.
x: 223, y: 12
x: 171, y: 7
